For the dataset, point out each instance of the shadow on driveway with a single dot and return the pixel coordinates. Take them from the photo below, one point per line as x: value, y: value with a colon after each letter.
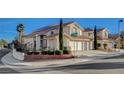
x: 115, y: 57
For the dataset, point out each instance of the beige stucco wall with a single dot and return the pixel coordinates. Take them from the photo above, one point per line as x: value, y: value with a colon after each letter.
x: 29, y: 42
x: 103, y: 34
x: 102, y: 42
x: 86, y: 34
x: 71, y: 27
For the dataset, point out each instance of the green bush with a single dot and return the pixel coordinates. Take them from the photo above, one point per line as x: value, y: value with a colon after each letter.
x: 44, y: 52
x: 36, y: 53
x: 65, y: 48
x: 50, y: 52
x: 66, y: 51
x: 58, y: 52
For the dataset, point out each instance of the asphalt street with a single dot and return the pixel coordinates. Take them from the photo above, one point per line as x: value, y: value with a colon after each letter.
x: 108, y: 65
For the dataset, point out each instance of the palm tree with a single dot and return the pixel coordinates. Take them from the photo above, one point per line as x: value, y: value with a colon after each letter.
x: 95, y: 38
x: 20, y: 29
x: 20, y: 44
x: 61, y: 35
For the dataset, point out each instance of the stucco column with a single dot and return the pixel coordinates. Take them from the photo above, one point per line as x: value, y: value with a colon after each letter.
x: 91, y: 45
x: 83, y: 46
x: 87, y: 45
x: 102, y: 45
x: 48, y: 44
x: 57, y: 43
x: 37, y: 43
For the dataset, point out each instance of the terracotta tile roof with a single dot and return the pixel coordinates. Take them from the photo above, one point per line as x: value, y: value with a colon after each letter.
x: 52, y: 35
x: 114, y: 37
x: 88, y: 29
x: 100, y: 38
x: 91, y: 29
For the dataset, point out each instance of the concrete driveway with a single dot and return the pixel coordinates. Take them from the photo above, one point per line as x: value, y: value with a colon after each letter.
x: 3, y: 68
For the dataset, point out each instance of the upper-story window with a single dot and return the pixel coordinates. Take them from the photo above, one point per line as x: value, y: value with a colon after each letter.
x: 74, y: 30
x: 41, y: 36
x: 52, y: 33
x: 106, y: 35
x: 89, y: 34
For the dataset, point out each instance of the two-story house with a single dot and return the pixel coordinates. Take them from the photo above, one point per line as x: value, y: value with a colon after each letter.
x: 48, y: 38
x: 114, y: 41
x: 102, y: 37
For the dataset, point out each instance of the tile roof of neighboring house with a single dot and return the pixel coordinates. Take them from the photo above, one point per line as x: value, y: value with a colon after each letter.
x: 88, y: 29
x: 91, y: 29
x: 113, y: 37
x: 100, y: 38
x: 46, y: 29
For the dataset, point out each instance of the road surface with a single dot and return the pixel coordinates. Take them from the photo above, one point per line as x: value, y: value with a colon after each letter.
x: 108, y: 65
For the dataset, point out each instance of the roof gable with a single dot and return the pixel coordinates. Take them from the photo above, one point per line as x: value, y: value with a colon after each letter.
x: 44, y: 30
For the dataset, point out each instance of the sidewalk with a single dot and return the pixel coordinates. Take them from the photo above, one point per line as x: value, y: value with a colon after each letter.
x: 92, y: 53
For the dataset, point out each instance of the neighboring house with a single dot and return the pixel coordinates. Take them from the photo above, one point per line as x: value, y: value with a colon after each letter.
x: 102, y: 37
x: 114, y: 41
x: 122, y: 39
x: 2, y: 43
x: 48, y: 38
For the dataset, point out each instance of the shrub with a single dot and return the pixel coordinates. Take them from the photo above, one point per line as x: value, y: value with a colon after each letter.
x: 50, y: 52
x: 44, y: 52
x: 58, y: 52
x: 66, y: 51
x: 29, y: 53
x: 65, y: 48
x: 20, y: 48
x: 36, y: 53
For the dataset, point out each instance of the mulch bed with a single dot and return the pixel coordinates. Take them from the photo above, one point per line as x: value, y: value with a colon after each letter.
x: 29, y: 58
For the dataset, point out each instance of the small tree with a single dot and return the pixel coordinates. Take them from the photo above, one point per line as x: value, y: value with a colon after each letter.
x: 122, y: 41
x: 3, y: 43
x: 61, y: 35
x: 95, y: 38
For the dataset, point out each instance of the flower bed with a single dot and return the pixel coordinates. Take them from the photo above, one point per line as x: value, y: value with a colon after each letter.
x: 50, y: 54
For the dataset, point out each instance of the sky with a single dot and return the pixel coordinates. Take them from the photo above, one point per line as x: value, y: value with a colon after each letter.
x: 8, y: 25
